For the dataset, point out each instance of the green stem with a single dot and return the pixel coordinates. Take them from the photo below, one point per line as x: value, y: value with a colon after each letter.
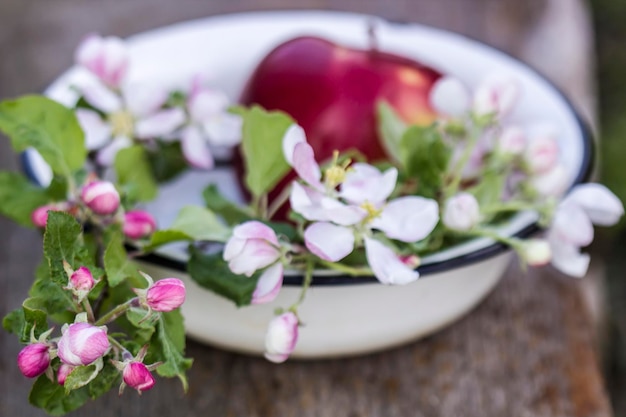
x: 278, y: 202
x: 491, y: 234
x: 308, y: 278
x: 457, y: 172
x: 114, y: 314
x: 350, y: 270
x: 88, y: 310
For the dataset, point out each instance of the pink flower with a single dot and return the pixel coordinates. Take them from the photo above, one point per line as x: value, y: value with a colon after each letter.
x: 542, y: 152
x: 210, y: 124
x: 82, y: 280
x: 82, y: 344
x: 461, y: 212
x: 34, y: 359
x: 138, y: 224
x: 269, y: 284
x: 137, y: 376
x: 63, y: 372
x: 386, y: 265
x: 165, y: 295
x: 101, y: 197
x: 450, y: 97
x: 39, y: 216
x: 107, y: 58
x: 252, y: 246
x: 496, y: 95
x: 572, y: 225
x: 281, y: 337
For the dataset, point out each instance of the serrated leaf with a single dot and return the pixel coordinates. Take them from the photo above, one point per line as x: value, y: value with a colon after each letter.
x: 50, y: 396
x: 19, y: 198
x: 82, y: 375
x: 49, y: 127
x: 425, y: 157
x: 134, y: 174
x: 231, y: 213
x: 200, y: 224
x: 144, y: 328
x: 35, y: 318
x: 55, y: 298
x: 262, y: 149
x: 117, y: 265
x: 106, y: 379
x: 168, y: 346
x: 391, y: 128
x: 61, y: 241
x: 213, y: 273
x: 167, y: 161
x: 14, y: 322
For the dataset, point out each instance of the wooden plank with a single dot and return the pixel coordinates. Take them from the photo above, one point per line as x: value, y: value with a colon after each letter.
x: 527, y: 350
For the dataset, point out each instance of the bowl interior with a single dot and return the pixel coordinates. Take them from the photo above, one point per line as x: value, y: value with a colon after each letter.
x: 227, y: 48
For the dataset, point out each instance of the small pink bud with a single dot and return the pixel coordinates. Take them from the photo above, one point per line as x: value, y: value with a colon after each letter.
x: 461, y: 212
x: 63, y: 372
x: 137, y: 376
x: 496, y: 95
x: 105, y: 57
x: 542, y: 153
x: 281, y: 337
x: 82, y: 280
x: 412, y: 261
x: 101, y: 197
x: 34, y: 359
x: 82, y: 344
x: 512, y: 141
x: 138, y: 224
x: 536, y: 252
x: 166, y: 295
x: 39, y: 216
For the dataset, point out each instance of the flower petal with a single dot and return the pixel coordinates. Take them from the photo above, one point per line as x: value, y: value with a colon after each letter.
x: 307, y: 202
x: 143, y: 100
x: 568, y: 259
x: 224, y: 129
x: 600, y: 204
x: 97, y: 131
x: 256, y: 254
x: 195, y: 148
x: 305, y: 165
x: 450, y: 97
x: 496, y: 94
x: 107, y: 58
x: 99, y: 95
x: 365, y: 183
x: 106, y: 156
x: 160, y: 124
x: 206, y: 103
x: 387, y: 266
x: 269, y: 284
x: 408, y: 219
x: 552, y: 183
x: 343, y: 214
x: 328, y: 241
x: 572, y: 225
x: 293, y: 136
x: 255, y: 230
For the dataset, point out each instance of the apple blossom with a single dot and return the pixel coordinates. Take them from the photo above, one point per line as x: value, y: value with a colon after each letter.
x: 210, y: 123
x: 252, y: 246
x: 495, y: 95
x: 450, y: 97
x: 461, y: 212
x: 281, y: 337
x: 63, y: 372
x: 269, y: 284
x: 82, y: 280
x: 39, y: 216
x: 82, y: 344
x: 105, y: 57
x: 34, y: 359
x: 138, y: 224
x: 165, y: 295
x: 572, y: 225
x: 137, y: 376
x: 101, y: 197
x: 512, y: 141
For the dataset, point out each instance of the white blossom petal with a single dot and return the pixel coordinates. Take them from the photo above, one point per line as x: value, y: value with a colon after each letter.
x: 256, y: 230
x: 97, y: 131
x: 340, y: 213
x: 160, y: 124
x: 552, y: 183
x: 328, y: 241
x: 572, y: 225
x: 365, y: 183
x: 204, y: 104
x: 99, y: 95
x: 106, y: 156
x: 408, y: 219
x: 568, y: 259
x: 224, y: 129
x: 305, y: 165
x: 195, y: 148
x: 497, y: 94
x: 598, y: 202
x: 293, y: 136
x: 269, y: 284
x: 450, y: 97
x: 256, y: 254
x: 386, y: 265
x: 143, y: 100
x: 107, y: 58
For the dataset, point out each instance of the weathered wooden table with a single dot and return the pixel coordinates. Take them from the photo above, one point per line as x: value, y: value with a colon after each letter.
x: 528, y: 350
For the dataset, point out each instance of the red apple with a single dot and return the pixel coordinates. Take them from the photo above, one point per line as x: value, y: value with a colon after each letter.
x: 332, y: 91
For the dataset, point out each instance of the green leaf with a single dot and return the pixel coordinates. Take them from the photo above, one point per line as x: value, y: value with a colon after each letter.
x: 106, y: 379
x: 117, y: 265
x: 425, y: 158
x: 262, y: 149
x: 213, y: 273
x: 163, y: 237
x: 200, y: 224
x: 284, y: 228
x: 61, y: 241
x: 47, y: 126
x: 14, y: 322
x: 82, y: 375
x: 168, y: 346
x: 231, y: 213
x: 167, y: 161
x: 50, y: 396
x: 134, y: 174
x: 391, y: 128
x: 143, y: 328
x: 19, y: 197
x: 35, y: 317
x: 55, y: 298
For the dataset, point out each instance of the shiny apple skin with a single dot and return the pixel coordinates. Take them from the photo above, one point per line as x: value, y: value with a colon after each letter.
x: 332, y: 91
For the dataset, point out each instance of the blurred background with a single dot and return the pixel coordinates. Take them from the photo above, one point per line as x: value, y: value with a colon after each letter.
x: 37, y: 38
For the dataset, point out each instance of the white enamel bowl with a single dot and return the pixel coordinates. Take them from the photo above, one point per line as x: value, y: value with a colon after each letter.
x: 343, y: 316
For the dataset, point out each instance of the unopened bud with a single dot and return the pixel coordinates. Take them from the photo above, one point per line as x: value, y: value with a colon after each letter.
x: 461, y: 212
x: 82, y: 344
x: 39, y: 216
x: 137, y: 376
x: 542, y: 153
x: 82, y: 280
x: 34, y: 359
x: 281, y: 337
x: 536, y: 252
x: 164, y: 295
x: 101, y: 197
x: 512, y: 141
x: 138, y: 224
x: 63, y: 372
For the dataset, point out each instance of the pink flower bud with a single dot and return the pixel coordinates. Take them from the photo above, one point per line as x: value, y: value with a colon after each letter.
x: 107, y: 58
x: 281, y: 337
x: 82, y: 280
x: 39, y: 216
x: 101, y: 197
x: 536, y: 252
x: 63, y: 372
x: 512, y: 141
x: 542, y: 153
x: 136, y: 375
x: 461, y: 212
x: 82, y: 344
x: 496, y: 95
x: 166, y: 295
x: 138, y: 224
x: 34, y: 359
x: 449, y: 97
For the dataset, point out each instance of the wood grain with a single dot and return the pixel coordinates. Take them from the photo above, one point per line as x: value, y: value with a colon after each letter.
x: 528, y: 350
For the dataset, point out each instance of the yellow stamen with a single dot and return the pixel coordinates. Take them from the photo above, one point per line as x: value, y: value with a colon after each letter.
x: 372, y: 211
x: 336, y: 174
x: 122, y: 123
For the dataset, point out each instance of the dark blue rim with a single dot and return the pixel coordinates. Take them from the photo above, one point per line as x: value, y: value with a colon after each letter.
x: 492, y: 250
